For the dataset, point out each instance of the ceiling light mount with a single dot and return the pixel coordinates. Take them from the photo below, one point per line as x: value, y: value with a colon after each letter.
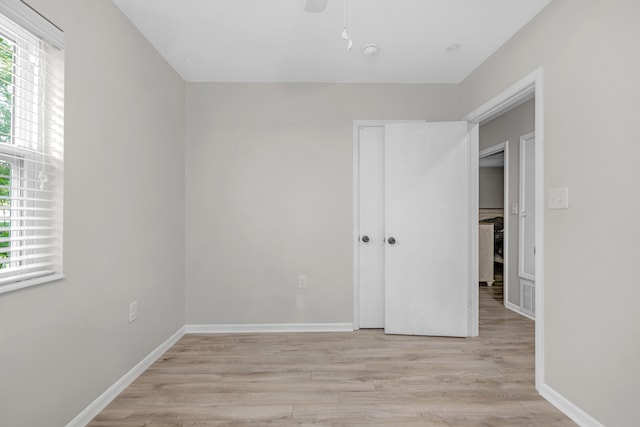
x: 315, y: 6
x: 370, y: 50
x: 454, y: 47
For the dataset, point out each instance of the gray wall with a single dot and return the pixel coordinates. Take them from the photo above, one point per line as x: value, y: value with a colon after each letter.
x: 491, y: 183
x: 510, y: 127
x: 589, y: 52
x: 64, y: 343
x: 269, y: 194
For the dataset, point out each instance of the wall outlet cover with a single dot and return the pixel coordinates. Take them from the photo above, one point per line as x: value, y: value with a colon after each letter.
x: 303, y: 281
x: 133, y: 311
x: 558, y: 198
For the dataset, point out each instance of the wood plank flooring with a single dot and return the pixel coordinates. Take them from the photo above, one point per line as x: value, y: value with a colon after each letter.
x: 344, y: 379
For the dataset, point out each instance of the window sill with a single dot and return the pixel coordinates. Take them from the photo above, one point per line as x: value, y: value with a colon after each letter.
x: 31, y: 282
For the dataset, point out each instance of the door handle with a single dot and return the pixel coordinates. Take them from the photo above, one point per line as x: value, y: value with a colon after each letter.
x: 391, y: 241
x: 365, y: 239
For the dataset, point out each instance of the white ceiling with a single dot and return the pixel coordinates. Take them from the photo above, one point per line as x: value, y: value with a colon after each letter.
x: 277, y: 41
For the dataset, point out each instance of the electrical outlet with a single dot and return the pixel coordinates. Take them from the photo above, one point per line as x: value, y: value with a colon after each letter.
x: 133, y: 311
x: 302, y: 281
x: 558, y: 198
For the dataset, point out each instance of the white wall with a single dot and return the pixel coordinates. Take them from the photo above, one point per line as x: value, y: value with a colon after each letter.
x: 62, y: 344
x: 269, y: 194
x: 589, y: 51
x: 510, y: 127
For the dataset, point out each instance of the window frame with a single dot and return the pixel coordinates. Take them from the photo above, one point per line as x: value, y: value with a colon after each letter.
x: 28, y: 144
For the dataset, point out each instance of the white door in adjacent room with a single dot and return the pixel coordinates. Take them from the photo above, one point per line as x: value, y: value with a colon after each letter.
x: 527, y: 237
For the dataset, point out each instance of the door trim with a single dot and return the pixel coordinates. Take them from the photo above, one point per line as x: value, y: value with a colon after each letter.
x: 530, y: 86
x: 355, y: 238
x: 521, y: 199
x: 504, y: 147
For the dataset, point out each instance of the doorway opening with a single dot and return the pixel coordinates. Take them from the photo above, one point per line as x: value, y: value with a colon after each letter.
x: 493, y: 215
x: 529, y: 87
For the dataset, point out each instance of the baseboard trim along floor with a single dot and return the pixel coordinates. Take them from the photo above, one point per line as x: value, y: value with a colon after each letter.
x: 565, y: 406
x: 268, y: 327
x: 518, y: 310
x: 95, y: 407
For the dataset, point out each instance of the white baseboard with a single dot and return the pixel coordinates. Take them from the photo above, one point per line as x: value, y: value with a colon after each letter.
x: 579, y: 416
x: 95, y: 407
x: 518, y: 310
x: 268, y: 327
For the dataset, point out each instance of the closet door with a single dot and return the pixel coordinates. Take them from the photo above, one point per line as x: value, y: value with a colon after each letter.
x: 428, y: 228
x: 371, y: 231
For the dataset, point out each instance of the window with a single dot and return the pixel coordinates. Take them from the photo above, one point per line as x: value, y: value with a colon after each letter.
x: 31, y: 141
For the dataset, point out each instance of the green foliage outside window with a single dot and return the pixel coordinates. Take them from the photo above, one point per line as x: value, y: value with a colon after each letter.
x: 6, y: 88
x: 6, y: 101
x: 5, y: 192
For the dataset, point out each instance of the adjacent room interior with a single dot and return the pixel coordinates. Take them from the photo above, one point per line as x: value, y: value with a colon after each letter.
x: 501, y: 210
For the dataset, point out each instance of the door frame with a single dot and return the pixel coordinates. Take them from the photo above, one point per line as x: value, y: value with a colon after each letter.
x: 521, y: 199
x: 530, y: 86
x: 504, y: 147
x: 473, y: 219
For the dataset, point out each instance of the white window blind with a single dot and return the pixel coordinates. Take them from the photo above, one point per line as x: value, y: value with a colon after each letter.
x: 31, y: 151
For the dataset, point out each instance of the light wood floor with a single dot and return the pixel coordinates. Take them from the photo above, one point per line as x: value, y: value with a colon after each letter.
x: 343, y: 379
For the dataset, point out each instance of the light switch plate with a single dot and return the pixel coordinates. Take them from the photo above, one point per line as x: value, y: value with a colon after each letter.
x: 558, y: 198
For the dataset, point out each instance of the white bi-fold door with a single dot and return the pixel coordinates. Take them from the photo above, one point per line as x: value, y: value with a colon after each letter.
x: 371, y: 219
x: 415, y: 274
